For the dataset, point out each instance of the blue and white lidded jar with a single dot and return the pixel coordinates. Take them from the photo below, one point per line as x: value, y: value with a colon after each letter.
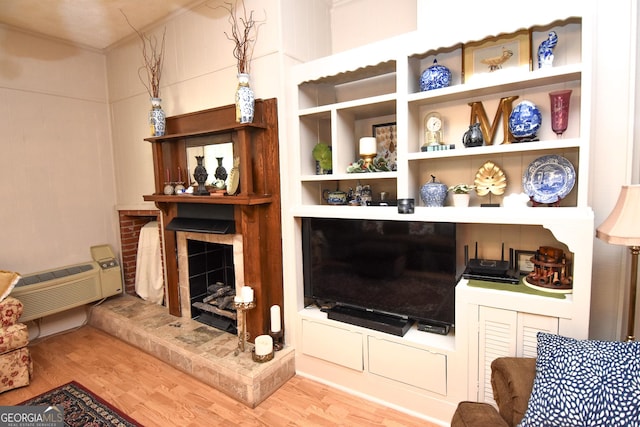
x: 435, y: 77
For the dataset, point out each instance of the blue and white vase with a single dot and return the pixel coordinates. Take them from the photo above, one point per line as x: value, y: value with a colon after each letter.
x: 245, y: 100
x: 157, y: 118
x: 525, y: 121
x: 435, y: 77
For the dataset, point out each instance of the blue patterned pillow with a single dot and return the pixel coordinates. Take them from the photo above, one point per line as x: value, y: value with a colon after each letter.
x: 584, y: 383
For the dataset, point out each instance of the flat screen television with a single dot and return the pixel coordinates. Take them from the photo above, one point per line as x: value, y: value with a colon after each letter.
x: 400, y: 268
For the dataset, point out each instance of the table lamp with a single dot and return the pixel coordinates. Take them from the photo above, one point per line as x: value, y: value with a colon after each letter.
x: 368, y: 149
x: 622, y: 227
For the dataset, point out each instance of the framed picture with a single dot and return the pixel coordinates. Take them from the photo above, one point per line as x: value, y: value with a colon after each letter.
x: 386, y: 142
x: 512, y: 51
x: 524, y: 265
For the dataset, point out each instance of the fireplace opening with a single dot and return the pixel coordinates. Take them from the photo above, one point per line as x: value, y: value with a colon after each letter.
x: 212, y: 285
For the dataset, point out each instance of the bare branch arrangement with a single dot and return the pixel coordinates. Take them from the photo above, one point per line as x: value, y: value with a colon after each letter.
x: 153, y: 57
x: 244, y: 33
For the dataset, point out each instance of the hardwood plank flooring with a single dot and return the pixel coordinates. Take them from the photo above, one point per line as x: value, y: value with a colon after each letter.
x: 156, y: 394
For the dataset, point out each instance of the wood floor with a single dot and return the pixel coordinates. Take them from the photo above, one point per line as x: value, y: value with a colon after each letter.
x: 156, y: 394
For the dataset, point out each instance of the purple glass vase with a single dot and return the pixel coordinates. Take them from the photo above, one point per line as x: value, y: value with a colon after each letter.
x: 560, y: 110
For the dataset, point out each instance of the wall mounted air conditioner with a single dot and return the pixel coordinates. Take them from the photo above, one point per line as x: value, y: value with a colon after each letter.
x: 52, y: 291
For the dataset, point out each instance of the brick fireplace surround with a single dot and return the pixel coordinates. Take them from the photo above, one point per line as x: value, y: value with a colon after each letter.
x: 131, y: 222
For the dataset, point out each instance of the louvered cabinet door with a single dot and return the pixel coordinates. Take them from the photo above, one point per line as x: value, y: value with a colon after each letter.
x: 506, y: 333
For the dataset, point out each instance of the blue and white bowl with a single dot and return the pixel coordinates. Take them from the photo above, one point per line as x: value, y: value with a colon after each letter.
x: 435, y: 77
x: 525, y: 120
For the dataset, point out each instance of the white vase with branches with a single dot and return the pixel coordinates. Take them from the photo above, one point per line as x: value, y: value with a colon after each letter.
x: 244, y: 34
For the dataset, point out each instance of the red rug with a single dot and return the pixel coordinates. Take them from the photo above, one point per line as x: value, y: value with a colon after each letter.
x: 81, y: 407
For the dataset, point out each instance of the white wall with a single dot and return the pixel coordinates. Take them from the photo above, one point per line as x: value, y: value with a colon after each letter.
x: 56, y: 162
x: 200, y: 73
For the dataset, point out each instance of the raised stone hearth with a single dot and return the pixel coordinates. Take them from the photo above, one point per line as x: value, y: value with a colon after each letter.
x: 201, y: 351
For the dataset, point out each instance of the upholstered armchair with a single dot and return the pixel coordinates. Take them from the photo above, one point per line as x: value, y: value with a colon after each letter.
x: 570, y: 383
x: 16, y: 366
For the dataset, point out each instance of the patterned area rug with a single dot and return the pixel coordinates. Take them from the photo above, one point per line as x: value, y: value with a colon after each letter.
x: 82, y: 407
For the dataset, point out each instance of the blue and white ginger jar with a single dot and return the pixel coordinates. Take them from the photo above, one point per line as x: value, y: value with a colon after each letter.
x: 435, y: 77
x: 525, y: 120
x: 433, y: 193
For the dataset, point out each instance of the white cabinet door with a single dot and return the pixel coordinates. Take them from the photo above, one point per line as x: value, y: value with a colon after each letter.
x: 409, y: 365
x: 506, y: 333
x: 335, y: 345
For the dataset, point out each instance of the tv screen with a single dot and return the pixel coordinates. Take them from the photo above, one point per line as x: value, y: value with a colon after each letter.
x: 402, y: 268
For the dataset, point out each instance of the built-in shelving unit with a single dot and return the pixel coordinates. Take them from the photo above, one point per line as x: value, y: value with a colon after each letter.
x: 338, y: 102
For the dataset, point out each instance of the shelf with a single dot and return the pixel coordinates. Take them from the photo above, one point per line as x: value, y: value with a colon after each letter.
x: 209, y: 131
x: 381, y: 105
x: 211, y: 200
x: 413, y: 335
x: 504, y: 81
x: 570, y: 216
x: 522, y: 147
x: 348, y: 176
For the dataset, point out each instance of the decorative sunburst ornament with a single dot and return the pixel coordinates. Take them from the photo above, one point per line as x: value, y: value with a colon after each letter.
x: 490, y: 180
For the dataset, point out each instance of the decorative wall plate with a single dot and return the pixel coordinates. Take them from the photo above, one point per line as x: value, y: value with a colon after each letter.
x: 234, y: 177
x: 548, y: 179
x: 490, y: 179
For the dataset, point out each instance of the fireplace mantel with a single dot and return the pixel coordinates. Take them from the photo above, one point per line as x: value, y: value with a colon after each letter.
x: 256, y: 206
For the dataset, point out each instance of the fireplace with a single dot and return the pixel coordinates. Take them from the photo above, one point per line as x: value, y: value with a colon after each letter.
x: 210, y: 274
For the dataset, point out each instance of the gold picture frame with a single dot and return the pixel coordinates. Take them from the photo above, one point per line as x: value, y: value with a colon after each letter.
x: 386, y: 143
x: 511, y: 51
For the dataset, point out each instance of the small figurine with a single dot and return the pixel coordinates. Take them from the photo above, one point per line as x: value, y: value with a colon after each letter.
x: 545, y: 50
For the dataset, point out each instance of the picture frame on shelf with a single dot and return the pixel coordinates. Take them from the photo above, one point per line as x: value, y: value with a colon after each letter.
x: 507, y: 52
x: 523, y: 264
x: 386, y: 143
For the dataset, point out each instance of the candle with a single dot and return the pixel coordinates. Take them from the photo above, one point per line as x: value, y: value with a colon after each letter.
x: 247, y: 294
x: 264, y: 345
x: 179, y: 174
x: 168, y: 176
x: 275, y: 318
x: 237, y: 299
x: 368, y: 145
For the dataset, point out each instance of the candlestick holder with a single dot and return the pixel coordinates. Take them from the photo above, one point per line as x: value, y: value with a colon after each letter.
x: 261, y: 358
x: 278, y: 340
x: 242, y: 308
x: 368, y: 159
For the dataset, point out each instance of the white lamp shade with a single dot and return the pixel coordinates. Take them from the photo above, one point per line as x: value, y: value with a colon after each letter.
x: 622, y: 227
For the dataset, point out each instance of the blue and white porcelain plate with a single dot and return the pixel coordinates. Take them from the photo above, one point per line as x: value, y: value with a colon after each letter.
x: 549, y: 178
x: 525, y: 120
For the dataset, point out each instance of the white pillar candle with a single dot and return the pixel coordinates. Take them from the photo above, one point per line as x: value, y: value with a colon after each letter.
x: 275, y: 318
x: 264, y: 345
x: 368, y: 145
x: 247, y: 294
x: 237, y: 299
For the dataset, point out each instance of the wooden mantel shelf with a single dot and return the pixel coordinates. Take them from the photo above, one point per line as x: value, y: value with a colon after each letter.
x: 211, y: 200
x: 206, y: 132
